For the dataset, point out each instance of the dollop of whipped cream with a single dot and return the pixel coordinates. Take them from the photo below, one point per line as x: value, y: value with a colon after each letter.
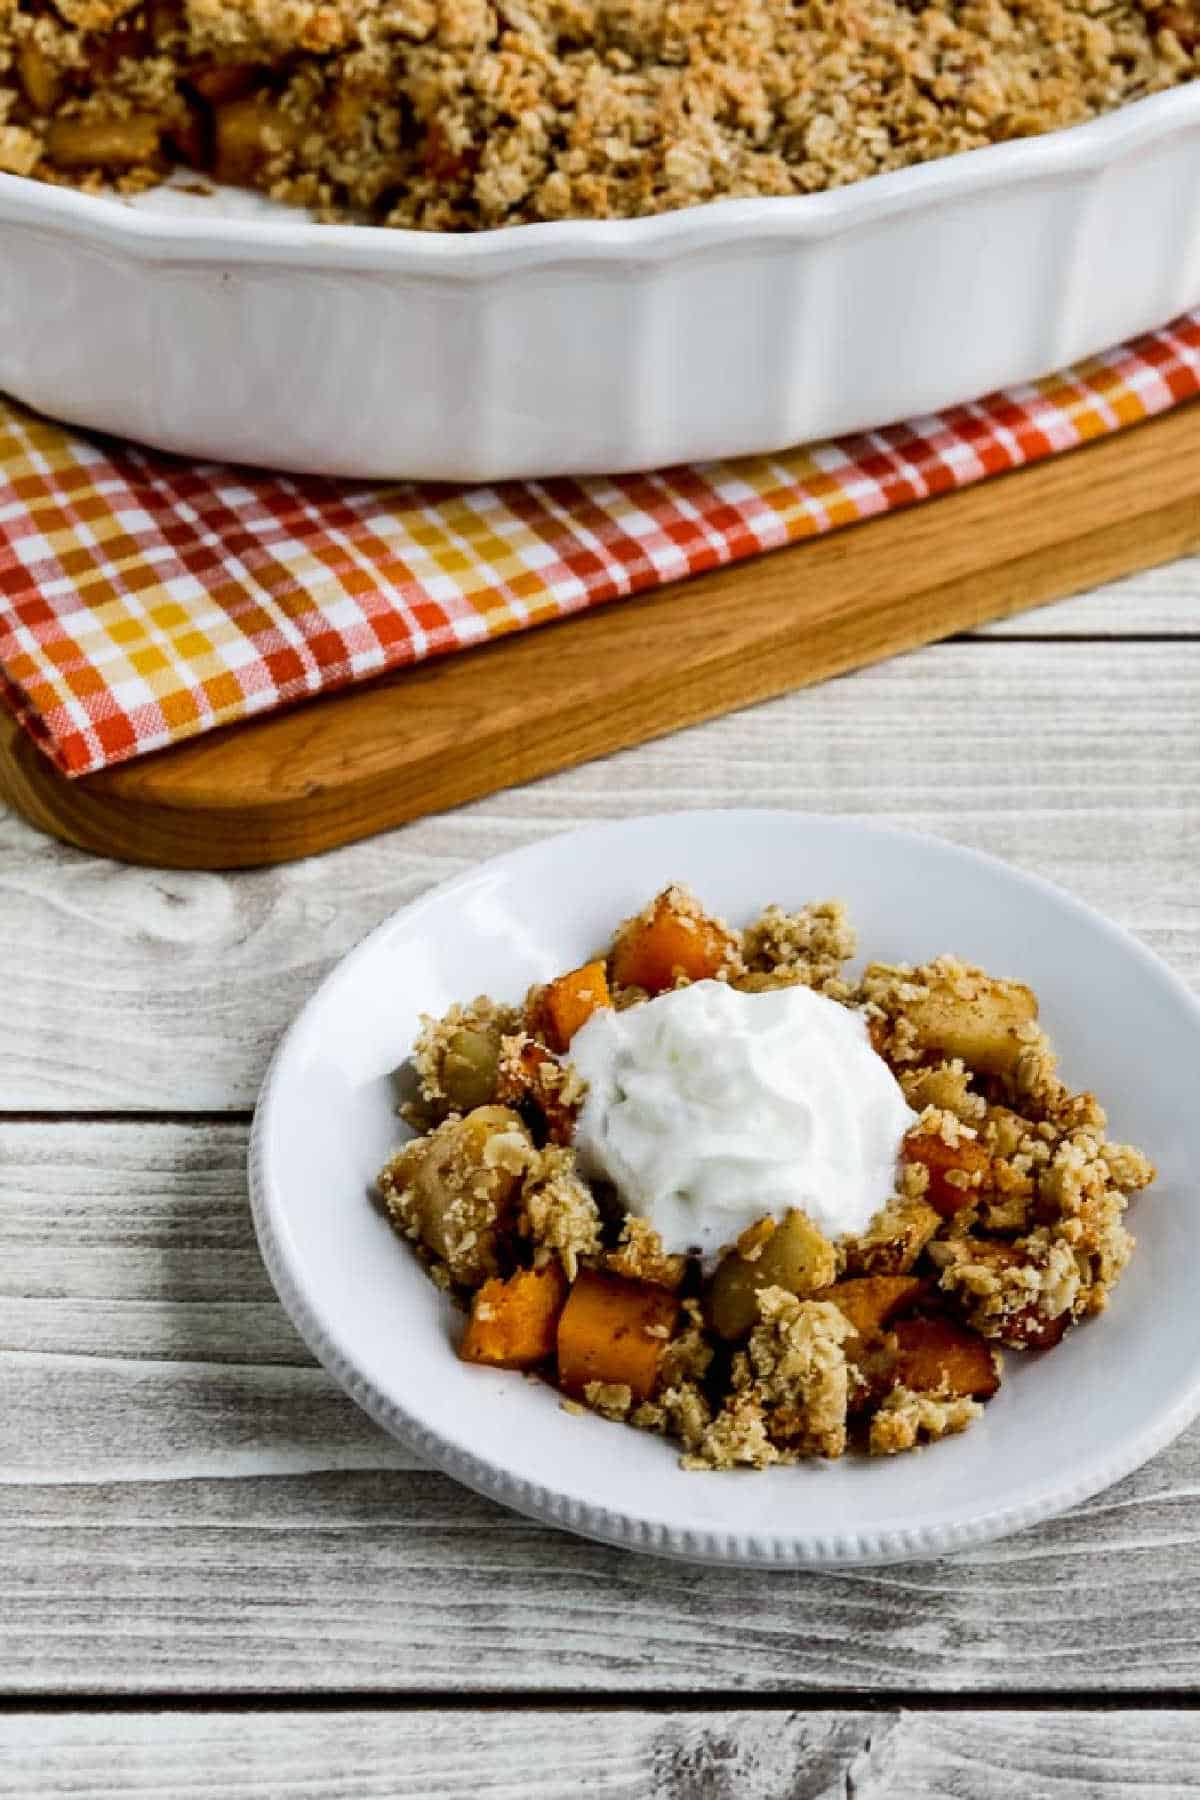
x: 707, y: 1108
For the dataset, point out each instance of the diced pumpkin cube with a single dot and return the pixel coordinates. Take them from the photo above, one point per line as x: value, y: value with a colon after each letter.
x: 1030, y: 1329
x: 570, y: 1001
x: 939, y: 1355
x: 613, y: 1330
x: 953, y: 1168
x: 870, y: 1302
x: 514, y: 1323
x: 674, y: 937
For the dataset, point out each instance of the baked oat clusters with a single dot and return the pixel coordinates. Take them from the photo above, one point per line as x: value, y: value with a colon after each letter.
x: 999, y: 1225
x: 456, y: 115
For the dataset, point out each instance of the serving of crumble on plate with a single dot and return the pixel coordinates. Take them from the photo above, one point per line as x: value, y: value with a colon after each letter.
x: 1001, y: 1220
x: 459, y: 115
x: 775, y: 1375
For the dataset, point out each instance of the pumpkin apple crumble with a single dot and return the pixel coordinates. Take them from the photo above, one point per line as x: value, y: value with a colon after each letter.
x: 454, y: 115
x: 710, y: 1185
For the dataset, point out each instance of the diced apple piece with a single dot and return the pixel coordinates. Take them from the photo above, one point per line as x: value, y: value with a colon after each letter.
x: 975, y: 1017
x: 42, y: 82
x: 461, y: 1194
x: 795, y: 1256
x: 246, y: 134
x: 104, y: 143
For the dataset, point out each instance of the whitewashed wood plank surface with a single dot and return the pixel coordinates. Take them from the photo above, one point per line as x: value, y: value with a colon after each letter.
x: 136, y: 989
x: 187, y: 1504
x: 612, y: 1755
x: 134, y: 1240
x: 402, y: 1583
x: 1162, y: 602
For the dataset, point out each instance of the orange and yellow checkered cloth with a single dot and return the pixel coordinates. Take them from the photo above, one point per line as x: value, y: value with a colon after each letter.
x: 144, y: 599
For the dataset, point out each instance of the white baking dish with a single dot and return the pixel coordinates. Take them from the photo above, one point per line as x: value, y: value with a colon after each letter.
x: 735, y: 327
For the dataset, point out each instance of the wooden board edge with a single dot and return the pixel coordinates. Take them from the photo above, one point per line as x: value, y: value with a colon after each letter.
x: 143, y: 813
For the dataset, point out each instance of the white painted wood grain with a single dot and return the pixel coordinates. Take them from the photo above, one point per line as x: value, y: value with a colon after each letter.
x: 1164, y: 601
x: 134, y: 1240
x: 128, y: 1418
x: 392, y: 1580
x: 401, y: 1582
x: 612, y: 1755
x: 187, y: 1504
x: 355, y: 1756
x: 128, y: 988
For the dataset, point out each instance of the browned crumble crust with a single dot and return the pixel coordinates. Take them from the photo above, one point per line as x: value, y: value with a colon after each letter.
x: 681, y: 1412
x: 640, y: 1256
x: 896, y: 1236
x: 1064, y: 1267
x: 558, y: 1212
x: 905, y: 1420
x: 689, y: 1354
x: 807, y: 947
x: 1007, y: 1223
x: 611, y: 1399
x: 790, y: 1389
x: 528, y: 1073
x: 453, y: 115
x: 456, y: 1059
x: 737, y: 1438
x: 946, y: 1086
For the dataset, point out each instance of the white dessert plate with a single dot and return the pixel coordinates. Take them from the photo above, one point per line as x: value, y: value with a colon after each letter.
x: 1063, y: 1426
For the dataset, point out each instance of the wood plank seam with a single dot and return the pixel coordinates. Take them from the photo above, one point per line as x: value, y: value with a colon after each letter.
x: 635, y: 1701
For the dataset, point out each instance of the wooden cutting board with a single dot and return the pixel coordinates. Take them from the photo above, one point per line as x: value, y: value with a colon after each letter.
x: 432, y: 737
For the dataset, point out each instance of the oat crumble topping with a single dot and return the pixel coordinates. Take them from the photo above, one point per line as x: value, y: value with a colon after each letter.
x: 455, y: 115
x: 906, y: 1420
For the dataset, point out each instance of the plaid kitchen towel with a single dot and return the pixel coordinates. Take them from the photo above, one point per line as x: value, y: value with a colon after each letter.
x: 144, y: 599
